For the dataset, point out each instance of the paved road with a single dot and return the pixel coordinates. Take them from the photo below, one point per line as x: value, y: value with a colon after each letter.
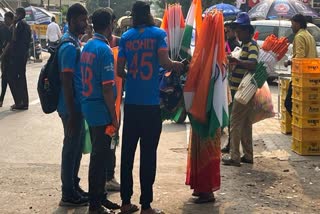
x: 30, y: 146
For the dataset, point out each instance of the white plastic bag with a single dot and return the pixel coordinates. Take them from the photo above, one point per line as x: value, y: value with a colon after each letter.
x: 262, y: 107
x: 246, y: 89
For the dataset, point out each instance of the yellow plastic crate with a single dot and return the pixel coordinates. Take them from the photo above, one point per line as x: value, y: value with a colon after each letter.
x: 282, y: 107
x: 306, y: 109
x: 305, y: 134
x: 302, y: 122
x: 306, y: 148
x: 285, y: 116
x: 306, y: 80
x: 306, y: 65
x: 283, y: 93
x: 284, y: 83
x: 285, y: 128
x: 305, y: 94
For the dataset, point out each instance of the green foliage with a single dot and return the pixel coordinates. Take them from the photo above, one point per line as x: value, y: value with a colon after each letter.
x: 119, y: 7
x: 64, y: 10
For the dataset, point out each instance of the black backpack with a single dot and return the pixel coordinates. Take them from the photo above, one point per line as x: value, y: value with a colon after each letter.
x: 49, y: 83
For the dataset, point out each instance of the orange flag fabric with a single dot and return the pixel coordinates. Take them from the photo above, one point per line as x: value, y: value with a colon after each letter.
x: 118, y: 82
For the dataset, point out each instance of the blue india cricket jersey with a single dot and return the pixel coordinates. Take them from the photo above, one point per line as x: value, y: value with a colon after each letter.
x: 97, y: 69
x: 140, y: 47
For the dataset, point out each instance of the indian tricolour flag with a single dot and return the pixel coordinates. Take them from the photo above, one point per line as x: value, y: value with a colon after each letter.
x: 192, y: 29
x: 191, y: 32
x: 220, y: 96
x: 173, y: 24
x: 205, y: 90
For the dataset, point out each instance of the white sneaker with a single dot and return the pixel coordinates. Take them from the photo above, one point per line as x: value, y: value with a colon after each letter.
x: 112, y: 185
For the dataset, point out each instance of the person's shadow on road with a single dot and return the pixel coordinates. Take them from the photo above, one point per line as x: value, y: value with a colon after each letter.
x: 71, y: 210
x: 6, y: 113
x: 190, y: 207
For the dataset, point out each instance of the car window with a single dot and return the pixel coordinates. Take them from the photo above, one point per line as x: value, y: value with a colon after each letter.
x: 265, y: 31
x: 286, y: 32
x: 315, y: 32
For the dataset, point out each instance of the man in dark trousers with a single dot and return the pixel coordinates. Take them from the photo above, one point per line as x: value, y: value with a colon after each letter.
x: 5, y: 37
x: 18, y: 52
x: 98, y: 106
x: 144, y: 49
x: 69, y: 108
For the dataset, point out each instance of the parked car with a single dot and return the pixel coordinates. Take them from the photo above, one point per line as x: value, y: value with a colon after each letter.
x: 282, y: 28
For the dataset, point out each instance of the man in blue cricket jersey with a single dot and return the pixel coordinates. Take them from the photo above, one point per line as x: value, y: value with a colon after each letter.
x: 69, y: 108
x: 144, y: 49
x: 98, y: 106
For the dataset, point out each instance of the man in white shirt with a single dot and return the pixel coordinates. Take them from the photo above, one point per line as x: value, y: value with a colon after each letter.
x: 53, y: 32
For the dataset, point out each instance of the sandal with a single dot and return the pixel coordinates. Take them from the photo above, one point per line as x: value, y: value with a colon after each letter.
x: 196, y: 194
x: 128, y: 209
x: 110, y: 205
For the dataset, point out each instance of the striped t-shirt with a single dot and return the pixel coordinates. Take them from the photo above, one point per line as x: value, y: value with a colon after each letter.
x: 250, y: 52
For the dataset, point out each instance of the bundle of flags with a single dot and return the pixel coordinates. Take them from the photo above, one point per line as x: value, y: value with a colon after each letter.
x: 181, y: 40
x: 272, y: 50
x: 173, y: 24
x: 192, y: 29
x: 205, y: 91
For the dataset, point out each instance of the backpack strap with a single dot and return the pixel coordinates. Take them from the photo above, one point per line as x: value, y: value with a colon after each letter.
x: 66, y: 40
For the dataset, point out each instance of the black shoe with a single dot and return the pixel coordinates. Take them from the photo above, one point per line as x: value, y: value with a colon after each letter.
x: 205, y: 198
x: 196, y: 194
x: 229, y: 162
x: 245, y: 160
x: 82, y: 192
x: 19, y: 107
x: 74, y: 202
x: 225, y: 149
x: 100, y: 210
x: 110, y: 205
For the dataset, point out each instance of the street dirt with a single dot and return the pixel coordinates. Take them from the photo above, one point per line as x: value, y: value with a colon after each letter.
x: 273, y: 184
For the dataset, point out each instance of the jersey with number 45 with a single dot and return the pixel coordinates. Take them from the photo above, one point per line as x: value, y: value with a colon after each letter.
x: 140, y: 47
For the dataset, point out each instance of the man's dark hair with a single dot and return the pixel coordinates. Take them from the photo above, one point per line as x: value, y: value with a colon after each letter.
x: 141, y: 14
x: 248, y: 28
x: 112, y: 13
x: 301, y: 19
x: 21, y: 11
x: 230, y: 25
x: 53, y: 19
x: 101, y: 19
x: 9, y: 15
x: 75, y: 11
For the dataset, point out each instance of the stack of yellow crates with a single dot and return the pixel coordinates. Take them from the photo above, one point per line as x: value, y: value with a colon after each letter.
x: 285, y: 116
x: 306, y: 106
